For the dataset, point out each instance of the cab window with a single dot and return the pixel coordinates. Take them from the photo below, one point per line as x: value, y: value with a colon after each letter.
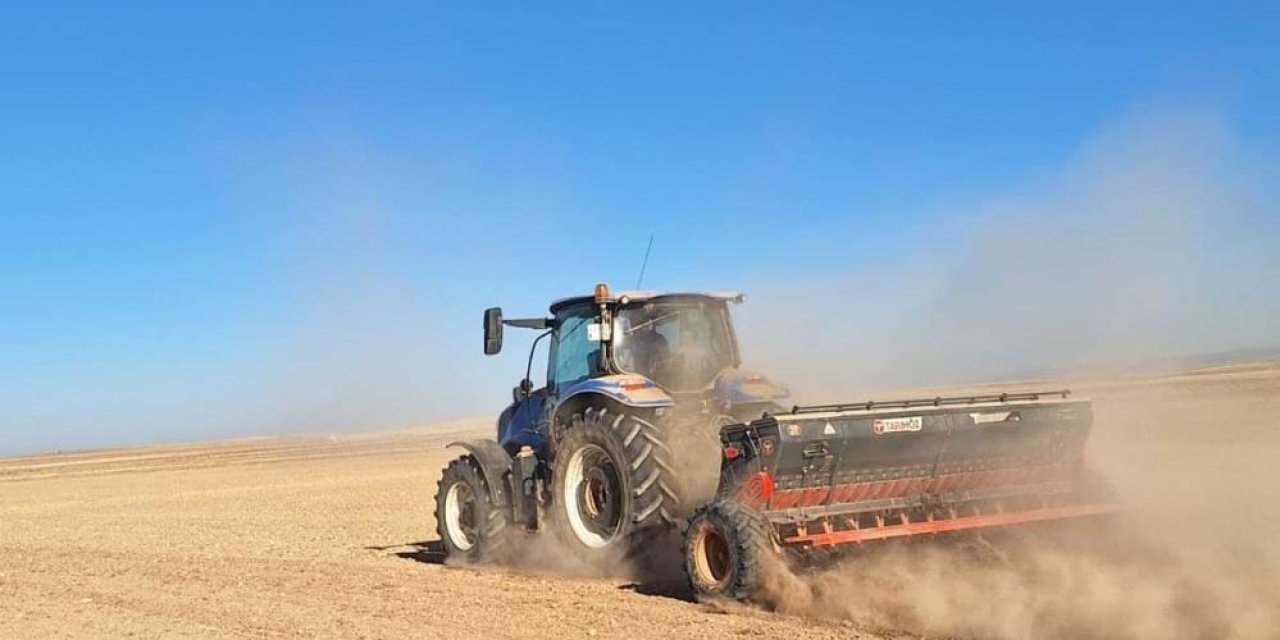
x: 574, y: 357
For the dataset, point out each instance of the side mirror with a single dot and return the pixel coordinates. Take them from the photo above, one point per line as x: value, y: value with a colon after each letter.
x: 522, y: 390
x: 492, y: 330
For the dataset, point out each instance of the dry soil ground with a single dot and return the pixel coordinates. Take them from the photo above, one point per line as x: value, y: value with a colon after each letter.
x: 330, y: 537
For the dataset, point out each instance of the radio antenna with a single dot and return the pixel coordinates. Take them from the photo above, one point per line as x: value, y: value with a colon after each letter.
x: 646, y: 261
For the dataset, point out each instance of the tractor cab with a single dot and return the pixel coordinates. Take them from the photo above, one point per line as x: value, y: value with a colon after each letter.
x: 679, y: 341
x: 637, y: 347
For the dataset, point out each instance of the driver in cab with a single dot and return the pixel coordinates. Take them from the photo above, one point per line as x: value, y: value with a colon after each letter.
x: 649, y: 350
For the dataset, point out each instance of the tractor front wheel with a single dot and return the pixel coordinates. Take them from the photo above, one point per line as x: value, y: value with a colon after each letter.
x: 472, y: 528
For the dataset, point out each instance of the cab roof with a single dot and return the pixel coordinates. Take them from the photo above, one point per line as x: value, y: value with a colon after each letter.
x: 644, y: 296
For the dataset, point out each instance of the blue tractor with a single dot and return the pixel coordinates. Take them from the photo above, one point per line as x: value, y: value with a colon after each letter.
x: 622, y: 438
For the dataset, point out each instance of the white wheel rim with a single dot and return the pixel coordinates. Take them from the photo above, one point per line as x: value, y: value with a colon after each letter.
x: 575, y: 477
x: 454, y: 499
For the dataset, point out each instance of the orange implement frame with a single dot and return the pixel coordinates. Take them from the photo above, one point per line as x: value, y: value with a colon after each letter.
x: 958, y: 523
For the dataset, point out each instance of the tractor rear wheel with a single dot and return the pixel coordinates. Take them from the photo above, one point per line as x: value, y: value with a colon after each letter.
x: 612, y: 479
x: 725, y: 551
x: 471, y: 527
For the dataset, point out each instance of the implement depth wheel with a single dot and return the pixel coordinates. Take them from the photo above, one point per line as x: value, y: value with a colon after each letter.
x: 725, y: 549
x: 472, y: 529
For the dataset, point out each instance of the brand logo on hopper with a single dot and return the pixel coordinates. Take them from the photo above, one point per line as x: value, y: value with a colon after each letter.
x: 881, y: 426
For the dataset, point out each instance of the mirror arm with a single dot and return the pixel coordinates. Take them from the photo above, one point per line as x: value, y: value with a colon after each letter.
x: 528, y: 369
x: 529, y: 323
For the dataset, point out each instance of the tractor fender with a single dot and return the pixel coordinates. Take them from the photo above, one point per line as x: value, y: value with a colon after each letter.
x: 496, y: 465
x: 627, y: 389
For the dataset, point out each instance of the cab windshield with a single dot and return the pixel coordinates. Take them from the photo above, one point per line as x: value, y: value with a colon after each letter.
x: 680, y: 344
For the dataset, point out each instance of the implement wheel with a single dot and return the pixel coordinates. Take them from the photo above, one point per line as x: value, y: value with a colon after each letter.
x: 472, y: 529
x: 725, y: 549
x: 611, y: 480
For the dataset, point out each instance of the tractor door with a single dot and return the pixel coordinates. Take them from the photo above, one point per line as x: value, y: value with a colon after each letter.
x: 574, y: 356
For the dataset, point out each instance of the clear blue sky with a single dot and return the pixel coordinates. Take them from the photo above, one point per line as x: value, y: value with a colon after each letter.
x: 245, y: 217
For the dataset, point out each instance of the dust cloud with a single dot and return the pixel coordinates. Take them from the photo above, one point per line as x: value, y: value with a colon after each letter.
x: 1150, y: 243
x: 548, y: 552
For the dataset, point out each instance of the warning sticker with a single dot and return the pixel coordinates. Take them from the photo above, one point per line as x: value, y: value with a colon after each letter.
x: 999, y: 416
x: 895, y: 425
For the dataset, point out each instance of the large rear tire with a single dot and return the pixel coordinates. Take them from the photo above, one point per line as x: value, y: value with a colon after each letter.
x: 725, y: 551
x: 472, y: 528
x: 612, y: 479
